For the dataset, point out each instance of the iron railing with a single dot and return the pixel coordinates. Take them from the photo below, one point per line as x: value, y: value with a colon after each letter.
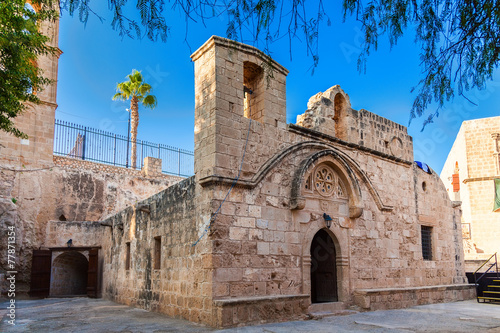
x: 493, y: 264
x: 87, y: 143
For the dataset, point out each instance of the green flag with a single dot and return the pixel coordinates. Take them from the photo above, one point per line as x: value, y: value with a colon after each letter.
x: 496, y: 206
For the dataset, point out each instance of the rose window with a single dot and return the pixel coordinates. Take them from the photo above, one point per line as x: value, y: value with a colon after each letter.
x: 324, y: 181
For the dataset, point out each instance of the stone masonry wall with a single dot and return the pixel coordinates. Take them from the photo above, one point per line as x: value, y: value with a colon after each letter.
x: 330, y: 113
x: 475, y: 149
x: 29, y: 198
x: 261, y: 238
x: 83, y: 234
x: 181, y: 287
x: 36, y: 151
x: 480, y: 146
x: 74, y: 163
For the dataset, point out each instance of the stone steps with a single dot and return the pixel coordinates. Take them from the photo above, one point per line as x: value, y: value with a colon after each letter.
x: 497, y: 299
x: 321, y: 310
x: 491, y: 294
x: 321, y: 315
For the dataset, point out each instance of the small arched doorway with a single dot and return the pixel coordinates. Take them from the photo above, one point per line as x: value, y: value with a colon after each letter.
x: 323, y: 269
x: 69, y: 274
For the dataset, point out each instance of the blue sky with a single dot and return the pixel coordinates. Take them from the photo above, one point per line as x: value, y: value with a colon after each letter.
x: 95, y: 58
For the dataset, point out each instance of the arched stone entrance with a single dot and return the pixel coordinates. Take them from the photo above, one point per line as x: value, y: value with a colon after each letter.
x: 323, y: 269
x: 69, y: 274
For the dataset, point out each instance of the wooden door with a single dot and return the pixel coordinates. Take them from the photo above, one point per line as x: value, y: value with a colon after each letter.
x: 40, y: 273
x: 323, y: 269
x: 92, y: 273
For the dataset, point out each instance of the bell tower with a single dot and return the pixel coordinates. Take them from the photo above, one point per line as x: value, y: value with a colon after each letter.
x: 235, y: 84
x: 37, y: 121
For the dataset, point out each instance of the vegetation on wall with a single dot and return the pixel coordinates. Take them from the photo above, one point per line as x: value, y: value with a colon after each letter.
x: 21, y: 43
x: 458, y: 40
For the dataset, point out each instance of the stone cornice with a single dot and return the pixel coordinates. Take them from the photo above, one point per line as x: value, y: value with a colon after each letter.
x: 74, y: 248
x: 231, y: 44
x: 318, y: 135
x: 41, y: 102
x: 49, y: 103
x: 479, y: 179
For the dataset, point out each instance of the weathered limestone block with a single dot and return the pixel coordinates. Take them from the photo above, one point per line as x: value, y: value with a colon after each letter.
x: 152, y: 167
x: 66, y: 192
x: 319, y: 116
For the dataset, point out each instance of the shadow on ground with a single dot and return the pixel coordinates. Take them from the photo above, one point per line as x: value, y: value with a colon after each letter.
x: 97, y: 315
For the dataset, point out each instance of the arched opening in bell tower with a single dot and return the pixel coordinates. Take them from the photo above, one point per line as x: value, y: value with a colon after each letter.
x: 253, y: 89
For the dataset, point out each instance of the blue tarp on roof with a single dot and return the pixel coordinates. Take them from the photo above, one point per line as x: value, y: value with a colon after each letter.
x: 424, y: 167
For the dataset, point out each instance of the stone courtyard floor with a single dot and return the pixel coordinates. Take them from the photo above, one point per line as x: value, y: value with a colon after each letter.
x: 97, y: 315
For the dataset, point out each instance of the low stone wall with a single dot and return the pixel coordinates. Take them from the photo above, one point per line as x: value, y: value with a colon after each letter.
x: 398, y: 298
x: 69, y: 162
x: 258, y: 310
x: 30, y: 198
x: 473, y: 265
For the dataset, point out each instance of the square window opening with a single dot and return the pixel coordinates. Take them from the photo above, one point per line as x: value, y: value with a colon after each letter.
x: 127, y: 257
x: 157, y: 254
x: 426, y: 242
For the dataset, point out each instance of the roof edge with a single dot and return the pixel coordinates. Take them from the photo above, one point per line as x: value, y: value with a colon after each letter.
x: 228, y: 43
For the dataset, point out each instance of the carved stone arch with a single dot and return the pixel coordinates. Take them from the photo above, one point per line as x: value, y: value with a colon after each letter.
x: 340, y: 242
x: 344, y: 172
x: 69, y: 274
x: 293, y: 150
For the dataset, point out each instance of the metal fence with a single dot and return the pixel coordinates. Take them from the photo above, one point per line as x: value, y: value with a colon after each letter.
x: 91, y: 144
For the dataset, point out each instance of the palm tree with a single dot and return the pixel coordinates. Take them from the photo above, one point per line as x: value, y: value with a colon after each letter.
x: 137, y: 91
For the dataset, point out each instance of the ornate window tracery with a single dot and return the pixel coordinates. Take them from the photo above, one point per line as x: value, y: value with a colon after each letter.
x: 341, y: 193
x: 308, y: 184
x: 325, y: 181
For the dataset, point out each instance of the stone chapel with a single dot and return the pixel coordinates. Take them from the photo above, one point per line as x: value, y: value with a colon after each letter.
x: 280, y: 220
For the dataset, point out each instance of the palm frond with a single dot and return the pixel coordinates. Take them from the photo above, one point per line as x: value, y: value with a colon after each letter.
x: 135, y: 76
x: 118, y: 96
x: 135, y: 87
x: 144, y: 88
x: 149, y: 101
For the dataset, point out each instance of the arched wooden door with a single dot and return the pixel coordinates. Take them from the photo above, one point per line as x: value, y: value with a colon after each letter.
x: 323, y: 269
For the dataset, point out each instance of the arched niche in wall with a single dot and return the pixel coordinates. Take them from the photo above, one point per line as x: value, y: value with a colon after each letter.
x: 326, y: 173
x: 253, y: 83
x: 69, y: 274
